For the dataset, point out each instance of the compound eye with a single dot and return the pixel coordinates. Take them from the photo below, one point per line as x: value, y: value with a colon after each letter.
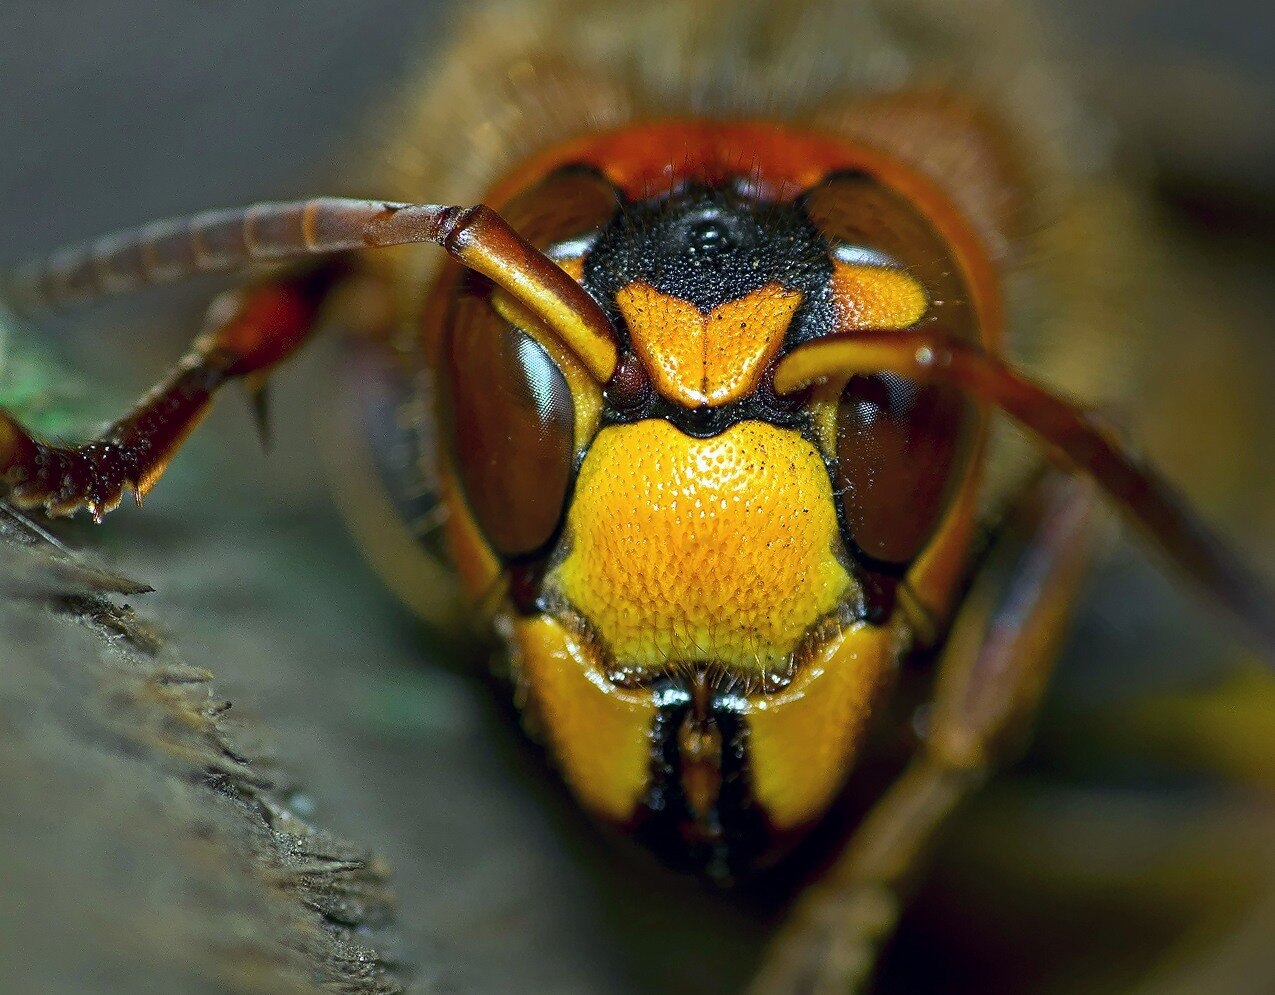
x: 899, y: 455
x: 507, y: 406
x: 511, y: 420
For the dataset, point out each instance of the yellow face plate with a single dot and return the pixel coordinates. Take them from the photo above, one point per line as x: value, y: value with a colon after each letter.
x: 599, y: 733
x: 718, y: 549
x: 705, y: 360
x: 802, y: 741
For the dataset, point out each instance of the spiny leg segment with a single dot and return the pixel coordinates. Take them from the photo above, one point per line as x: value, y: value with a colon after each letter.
x: 247, y: 334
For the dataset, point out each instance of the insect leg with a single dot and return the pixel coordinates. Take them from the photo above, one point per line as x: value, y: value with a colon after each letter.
x: 247, y: 334
x: 994, y: 666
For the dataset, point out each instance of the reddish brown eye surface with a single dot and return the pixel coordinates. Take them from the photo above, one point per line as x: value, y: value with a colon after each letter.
x: 511, y: 421
x: 899, y: 449
x: 900, y: 446
x: 508, y: 410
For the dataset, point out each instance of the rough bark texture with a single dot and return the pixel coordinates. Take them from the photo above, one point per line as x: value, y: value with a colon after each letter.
x: 149, y: 844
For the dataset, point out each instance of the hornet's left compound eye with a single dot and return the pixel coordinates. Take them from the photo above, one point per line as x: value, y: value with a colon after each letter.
x: 511, y: 423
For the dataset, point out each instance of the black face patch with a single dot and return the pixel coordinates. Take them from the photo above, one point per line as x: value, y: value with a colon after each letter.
x: 710, y: 246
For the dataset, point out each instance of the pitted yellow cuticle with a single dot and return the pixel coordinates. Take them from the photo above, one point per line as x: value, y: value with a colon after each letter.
x: 721, y: 548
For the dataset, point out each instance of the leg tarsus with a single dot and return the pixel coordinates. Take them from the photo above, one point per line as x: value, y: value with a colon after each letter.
x: 128, y: 456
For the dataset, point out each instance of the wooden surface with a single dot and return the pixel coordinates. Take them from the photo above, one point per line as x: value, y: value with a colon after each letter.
x: 150, y: 844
